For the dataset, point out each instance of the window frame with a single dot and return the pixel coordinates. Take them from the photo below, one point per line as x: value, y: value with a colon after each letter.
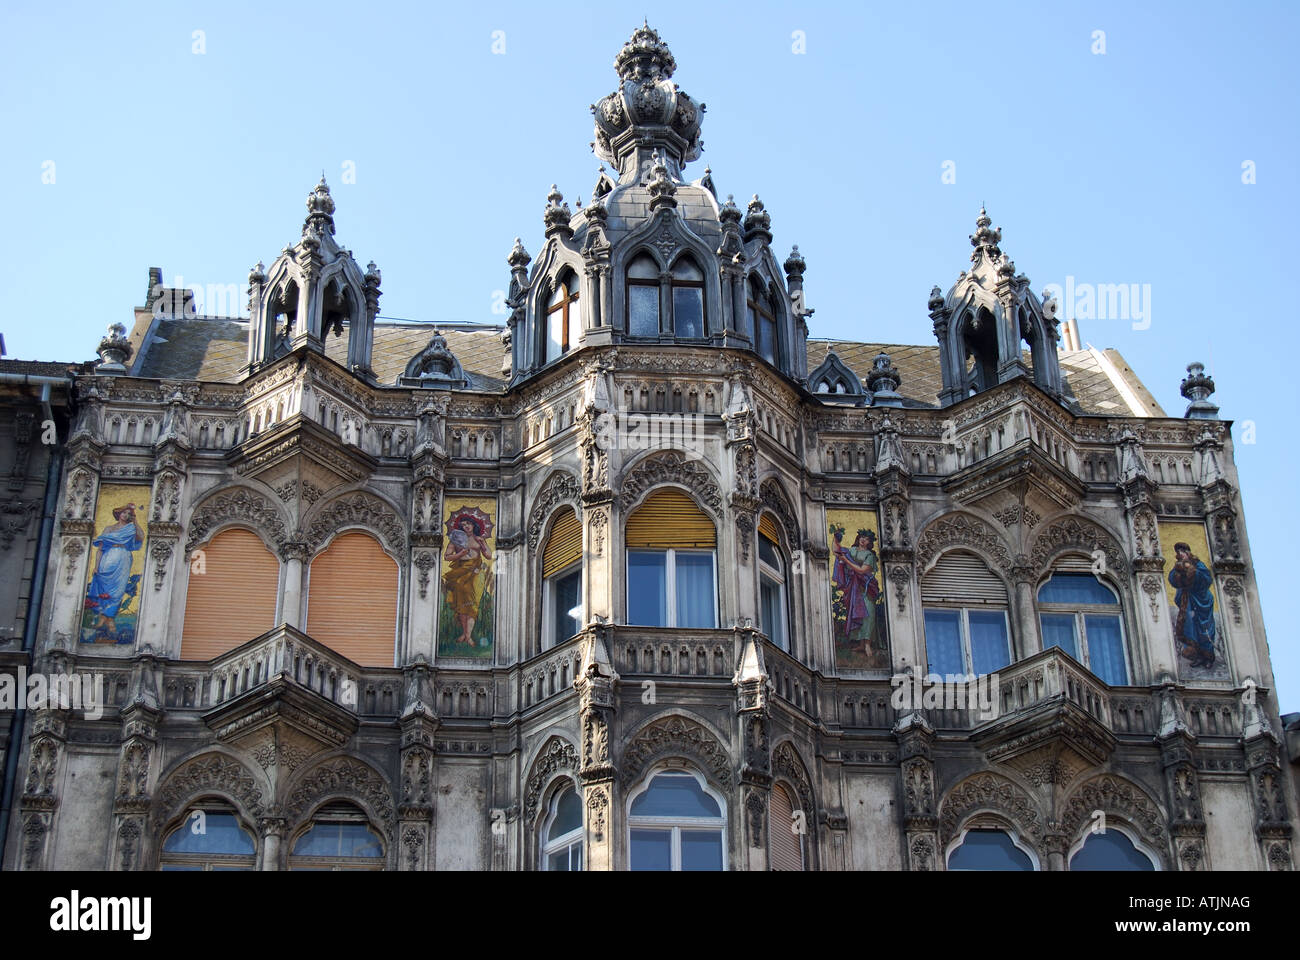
x: 549, y: 585
x: 968, y: 661
x: 675, y: 283
x: 780, y: 580
x: 677, y: 824
x: 761, y: 306
x: 655, y: 284
x: 1036, y: 865
x: 570, y: 297
x: 334, y: 864
x: 670, y: 581
x: 548, y: 846
x: 209, y: 862
x: 1127, y: 832
x: 1081, y: 611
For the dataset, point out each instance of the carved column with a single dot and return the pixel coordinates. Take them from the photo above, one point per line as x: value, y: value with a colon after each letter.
x: 597, y: 497
x: 738, y: 416
x: 596, y: 685
x: 897, y: 554
x: 419, y: 723
x: 1139, y: 489
x: 77, y: 526
x: 1182, y: 785
x: 140, y: 718
x: 426, y: 544
x: 752, y: 715
x: 39, y: 803
x: 920, y: 809
x: 171, y: 456
x: 273, y: 827
x: 1273, y: 829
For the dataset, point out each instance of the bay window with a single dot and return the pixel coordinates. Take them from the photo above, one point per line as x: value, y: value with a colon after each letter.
x: 772, y: 606
x: 671, y: 577
x: 1081, y: 615
x: 965, y: 613
x: 562, y: 579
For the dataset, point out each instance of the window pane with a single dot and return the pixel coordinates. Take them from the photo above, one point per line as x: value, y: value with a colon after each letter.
x: 647, y: 588
x: 767, y: 553
x: 1110, y: 851
x: 989, y: 850
x: 554, y: 334
x: 688, y: 311
x: 1106, y: 649
x: 695, y: 606
x: 338, y: 840
x: 1058, y: 631
x: 652, y: 849
x: 701, y: 849
x: 943, y: 642
x: 568, y: 814
x: 221, y: 834
x: 772, y: 611
x: 675, y: 795
x: 685, y: 269
x: 643, y: 268
x: 558, y: 861
x: 575, y: 324
x: 988, y: 641
x: 767, y: 339
x: 643, y: 310
x: 567, y: 600
x: 1075, y: 588
x: 749, y: 322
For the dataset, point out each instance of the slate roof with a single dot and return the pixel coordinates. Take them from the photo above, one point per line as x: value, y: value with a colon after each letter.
x: 215, y: 349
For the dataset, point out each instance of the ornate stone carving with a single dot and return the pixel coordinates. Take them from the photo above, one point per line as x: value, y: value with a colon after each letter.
x: 560, y: 488
x: 922, y: 853
x: 243, y: 505
x: 599, y: 524
x: 676, y: 735
x: 73, y: 548
x: 210, y: 772
x: 962, y: 530
x: 597, y: 805
x: 424, y: 562
x: 1155, y: 592
x: 988, y: 791
x: 756, y: 810
x: 1235, y: 593
x: 671, y: 468
x: 1080, y: 533
x: 774, y: 499
x: 160, y: 552
x: 558, y: 755
x: 358, y: 509
x: 342, y: 776
x: 1114, y: 796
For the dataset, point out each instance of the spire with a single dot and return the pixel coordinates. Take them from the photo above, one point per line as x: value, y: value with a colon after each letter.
x: 662, y: 190
x: 557, y: 215
x: 985, y: 240
x: 758, y: 222
x: 1197, y: 387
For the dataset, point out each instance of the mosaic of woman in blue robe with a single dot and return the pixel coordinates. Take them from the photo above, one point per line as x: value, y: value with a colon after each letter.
x: 112, y: 584
x: 1194, y: 629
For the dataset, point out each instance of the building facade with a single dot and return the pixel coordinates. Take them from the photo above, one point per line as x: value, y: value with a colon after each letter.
x: 646, y: 578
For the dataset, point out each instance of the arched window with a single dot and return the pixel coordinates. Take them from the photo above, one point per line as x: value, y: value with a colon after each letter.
x: 676, y: 823
x: 562, y: 832
x: 983, y: 849
x: 785, y: 831
x: 352, y: 599
x: 643, y: 297
x: 337, y: 309
x: 339, y: 838
x: 980, y: 342
x: 762, y: 317
x: 563, y: 318
x: 671, y: 546
x: 284, y: 316
x: 1081, y: 615
x: 773, y: 607
x: 210, y: 838
x: 965, y: 612
x: 688, y: 299
x: 1110, y: 849
x: 562, y: 579
x: 234, y: 584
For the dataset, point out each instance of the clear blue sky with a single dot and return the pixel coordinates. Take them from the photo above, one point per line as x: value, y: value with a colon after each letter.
x: 1122, y: 167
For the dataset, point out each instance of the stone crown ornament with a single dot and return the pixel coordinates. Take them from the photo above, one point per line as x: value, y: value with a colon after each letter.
x: 647, y: 110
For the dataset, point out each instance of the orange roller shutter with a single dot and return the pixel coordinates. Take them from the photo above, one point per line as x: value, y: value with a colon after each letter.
x: 352, y: 600
x: 786, y: 849
x: 564, y: 545
x: 767, y: 527
x: 233, y: 600
x: 669, y: 518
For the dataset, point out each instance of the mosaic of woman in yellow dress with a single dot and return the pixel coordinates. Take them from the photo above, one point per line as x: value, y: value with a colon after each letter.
x: 467, y: 556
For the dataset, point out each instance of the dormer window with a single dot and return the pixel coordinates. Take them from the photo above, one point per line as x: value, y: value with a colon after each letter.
x: 688, y: 299
x: 643, y: 297
x: 762, y: 314
x: 563, y: 318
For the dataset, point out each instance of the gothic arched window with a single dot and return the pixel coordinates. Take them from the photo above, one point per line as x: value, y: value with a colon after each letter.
x: 984, y: 849
x: 232, y: 593
x: 1080, y: 614
x: 562, y: 579
x: 762, y: 315
x: 688, y: 299
x: 562, y: 833
x: 773, y: 603
x: 980, y: 344
x: 210, y: 838
x: 786, y: 832
x: 1110, y: 849
x: 643, y: 297
x: 965, y: 611
x: 338, y: 838
x: 671, y: 576
x: 563, y: 318
x: 676, y: 822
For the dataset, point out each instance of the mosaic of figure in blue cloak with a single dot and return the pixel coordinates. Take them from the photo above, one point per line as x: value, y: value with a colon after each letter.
x: 112, y: 586
x: 1194, y: 628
